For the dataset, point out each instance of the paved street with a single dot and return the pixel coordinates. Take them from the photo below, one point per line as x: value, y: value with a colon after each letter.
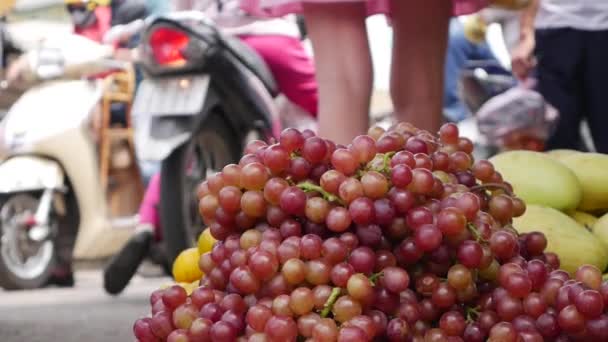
x: 83, y: 313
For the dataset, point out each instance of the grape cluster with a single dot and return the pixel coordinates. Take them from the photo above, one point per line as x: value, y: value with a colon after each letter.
x: 400, y: 236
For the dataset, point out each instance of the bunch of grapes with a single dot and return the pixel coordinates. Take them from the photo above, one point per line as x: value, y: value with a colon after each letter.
x: 400, y: 236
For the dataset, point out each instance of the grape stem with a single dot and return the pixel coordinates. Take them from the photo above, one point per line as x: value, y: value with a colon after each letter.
x: 386, y: 163
x: 475, y: 233
x: 488, y: 186
x: 329, y: 304
x: 374, y: 277
x: 387, y: 160
x: 472, y: 314
x: 309, y: 187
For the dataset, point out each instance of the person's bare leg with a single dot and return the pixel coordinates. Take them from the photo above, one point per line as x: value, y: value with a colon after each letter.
x: 343, y: 68
x: 419, y: 44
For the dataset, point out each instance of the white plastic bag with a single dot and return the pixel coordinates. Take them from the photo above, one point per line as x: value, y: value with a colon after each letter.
x: 517, y: 112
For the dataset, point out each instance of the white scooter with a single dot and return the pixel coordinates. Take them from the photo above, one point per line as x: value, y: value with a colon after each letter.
x: 52, y: 203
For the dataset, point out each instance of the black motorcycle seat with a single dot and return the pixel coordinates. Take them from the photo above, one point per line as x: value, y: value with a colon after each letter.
x: 250, y: 59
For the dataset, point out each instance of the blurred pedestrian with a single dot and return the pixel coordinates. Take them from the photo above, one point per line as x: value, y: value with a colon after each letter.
x: 570, y: 39
x: 91, y: 18
x: 343, y: 60
x: 7, y: 47
x: 467, y: 42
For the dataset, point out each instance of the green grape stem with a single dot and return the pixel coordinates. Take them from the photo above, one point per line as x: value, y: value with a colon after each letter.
x: 387, y: 160
x: 475, y: 233
x: 309, y: 187
x: 489, y: 186
x: 329, y: 304
x: 386, y: 163
x: 471, y: 313
x: 374, y: 277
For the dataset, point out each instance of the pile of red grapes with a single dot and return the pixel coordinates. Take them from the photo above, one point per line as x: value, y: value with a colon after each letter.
x: 400, y: 236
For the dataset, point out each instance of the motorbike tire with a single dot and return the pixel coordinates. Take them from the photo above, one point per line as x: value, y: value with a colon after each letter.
x: 9, y: 277
x: 176, y: 215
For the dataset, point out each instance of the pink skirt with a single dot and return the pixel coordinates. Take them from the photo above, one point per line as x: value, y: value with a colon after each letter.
x: 278, y: 8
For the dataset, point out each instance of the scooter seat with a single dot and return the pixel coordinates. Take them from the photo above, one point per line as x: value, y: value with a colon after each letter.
x: 250, y: 59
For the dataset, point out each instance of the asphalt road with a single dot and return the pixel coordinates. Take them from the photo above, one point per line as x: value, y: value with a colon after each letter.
x: 82, y: 313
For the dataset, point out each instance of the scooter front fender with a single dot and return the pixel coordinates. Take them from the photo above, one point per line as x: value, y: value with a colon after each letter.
x: 157, y: 136
x: 30, y: 173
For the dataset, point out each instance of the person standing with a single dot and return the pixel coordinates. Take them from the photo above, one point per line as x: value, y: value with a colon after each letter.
x: 570, y: 41
x: 343, y: 58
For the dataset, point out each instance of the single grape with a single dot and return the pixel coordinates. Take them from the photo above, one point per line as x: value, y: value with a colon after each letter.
x: 350, y: 189
x: 590, y: 303
x: 200, y: 330
x: 263, y: 265
x: 375, y: 185
x: 346, y: 308
x: 448, y: 133
x: 443, y: 296
x: 307, y: 323
x: 534, y: 305
x: 547, y: 325
x: 207, y: 206
x: 301, y: 301
x: 325, y: 330
x: 243, y: 279
x: 397, y: 330
x: 571, y: 320
x: 503, y: 245
x: 451, y: 221
x: 597, y: 329
x: 338, y: 219
x: 470, y: 253
x: 359, y: 287
x: 291, y: 139
x: 276, y: 158
x: 590, y: 276
x: 341, y: 273
x: 211, y: 311
x: 311, y: 247
x: 318, y: 272
x: 314, y: 149
x: 503, y: 332
x: 293, y: 201
x: 518, y: 284
x: 281, y: 306
x: 253, y: 203
x: 317, y: 209
x: 257, y: 316
x: 422, y: 181
x: 363, y: 260
x: 452, y: 323
x: 459, y: 277
x: 401, y: 175
x: 363, y: 148
x: 280, y: 328
x: 254, y: 176
x: 184, y: 315
x: 294, y: 271
x: 273, y: 190
x: 174, y: 296
x: 395, y: 279
x: 384, y: 212
x: 418, y: 217
x: 361, y: 210
x: 428, y: 237
x: 344, y: 161
x: 320, y: 295
x: 299, y: 169
x: 330, y: 181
